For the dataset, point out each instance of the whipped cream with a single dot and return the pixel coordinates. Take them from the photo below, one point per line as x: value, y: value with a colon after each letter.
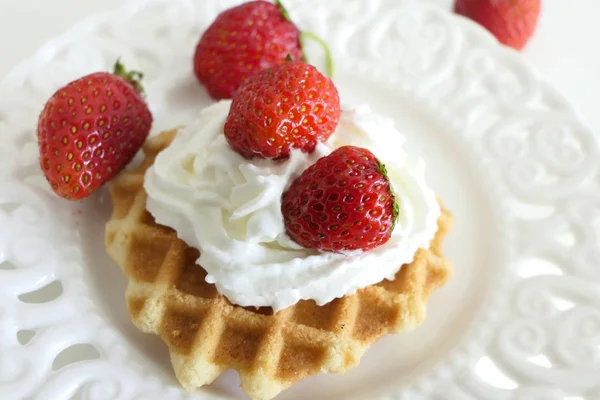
x: 229, y: 208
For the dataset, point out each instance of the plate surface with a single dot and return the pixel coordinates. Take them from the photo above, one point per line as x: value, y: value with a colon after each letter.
x: 519, y: 320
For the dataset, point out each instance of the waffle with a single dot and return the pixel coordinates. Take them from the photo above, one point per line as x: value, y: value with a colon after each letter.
x: 206, y: 334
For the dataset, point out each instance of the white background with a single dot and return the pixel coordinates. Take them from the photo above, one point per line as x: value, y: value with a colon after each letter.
x: 565, y: 49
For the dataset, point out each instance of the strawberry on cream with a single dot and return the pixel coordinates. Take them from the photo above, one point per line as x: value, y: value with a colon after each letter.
x: 230, y: 209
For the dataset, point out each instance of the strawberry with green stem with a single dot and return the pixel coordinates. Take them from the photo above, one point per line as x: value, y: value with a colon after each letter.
x: 343, y: 202
x: 245, y: 40
x: 90, y: 129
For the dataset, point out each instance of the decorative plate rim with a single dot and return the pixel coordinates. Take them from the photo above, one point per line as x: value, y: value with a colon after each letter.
x: 497, y: 306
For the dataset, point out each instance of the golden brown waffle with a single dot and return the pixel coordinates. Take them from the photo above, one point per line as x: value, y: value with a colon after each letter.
x: 206, y: 334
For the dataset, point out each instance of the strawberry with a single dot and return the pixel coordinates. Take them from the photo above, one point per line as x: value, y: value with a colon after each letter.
x: 343, y: 202
x: 242, y: 41
x: 246, y: 39
x: 90, y: 130
x: 284, y: 107
x: 511, y: 21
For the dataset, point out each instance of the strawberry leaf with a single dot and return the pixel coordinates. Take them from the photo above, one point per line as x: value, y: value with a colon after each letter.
x: 133, y: 77
x: 284, y: 12
x: 395, y: 206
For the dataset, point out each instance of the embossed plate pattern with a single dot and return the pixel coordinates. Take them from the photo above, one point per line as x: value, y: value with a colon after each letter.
x: 510, y: 157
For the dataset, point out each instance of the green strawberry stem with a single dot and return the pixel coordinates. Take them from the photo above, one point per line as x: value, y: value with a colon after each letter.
x: 133, y: 77
x: 311, y: 36
x: 395, y: 206
x: 328, y: 57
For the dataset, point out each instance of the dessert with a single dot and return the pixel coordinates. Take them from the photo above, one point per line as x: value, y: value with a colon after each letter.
x: 206, y: 334
x: 199, y: 229
x: 511, y: 21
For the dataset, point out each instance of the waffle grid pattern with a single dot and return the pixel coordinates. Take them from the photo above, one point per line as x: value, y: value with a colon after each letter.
x: 206, y: 335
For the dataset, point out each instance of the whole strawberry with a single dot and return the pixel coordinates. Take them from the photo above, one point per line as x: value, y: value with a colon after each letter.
x: 281, y: 108
x: 343, y: 202
x: 242, y: 41
x: 90, y: 130
x: 511, y: 21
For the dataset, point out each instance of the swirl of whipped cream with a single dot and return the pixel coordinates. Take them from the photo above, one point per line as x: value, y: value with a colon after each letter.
x: 229, y: 208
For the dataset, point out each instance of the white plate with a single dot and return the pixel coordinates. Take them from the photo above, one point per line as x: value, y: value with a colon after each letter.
x: 509, y: 156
